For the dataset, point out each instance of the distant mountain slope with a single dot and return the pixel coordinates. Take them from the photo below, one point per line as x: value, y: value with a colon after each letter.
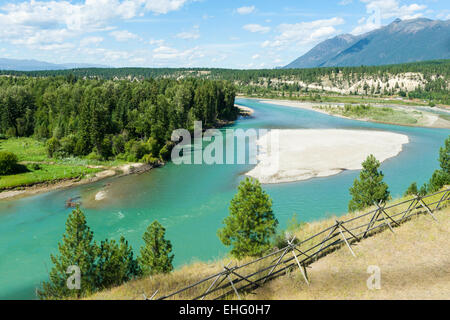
x: 323, y: 52
x: 399, y: 42
x: 35, y: 65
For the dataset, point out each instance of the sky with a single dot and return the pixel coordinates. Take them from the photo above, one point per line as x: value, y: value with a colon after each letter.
x: 242, y: 34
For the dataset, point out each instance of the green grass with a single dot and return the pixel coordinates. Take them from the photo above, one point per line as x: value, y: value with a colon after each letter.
x: 322, y: 97
x: 387, y: 115
x: 26, y: 149
x: 46, y: 173
x: 29, y: 151
x: 33, y: 150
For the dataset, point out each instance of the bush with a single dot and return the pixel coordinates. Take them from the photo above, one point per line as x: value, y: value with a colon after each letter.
x: 165, y: 152
x: 8, y: 162
x: 149, y: 159
x: 52, y: 145
x: 412, y: 190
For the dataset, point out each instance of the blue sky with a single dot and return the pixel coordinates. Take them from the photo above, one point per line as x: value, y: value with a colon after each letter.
x: 191, y: 33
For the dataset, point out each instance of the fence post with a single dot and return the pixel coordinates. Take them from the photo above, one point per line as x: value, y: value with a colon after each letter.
x: 444, y: 198
x: 424, y: 205
x: 338, y: 223
x: 300, y: 266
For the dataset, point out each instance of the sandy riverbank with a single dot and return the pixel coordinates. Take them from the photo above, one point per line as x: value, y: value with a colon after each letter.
x: 294, y: 155
x: 125, y: 169
x: 428, y: 119
x: 245, y: 110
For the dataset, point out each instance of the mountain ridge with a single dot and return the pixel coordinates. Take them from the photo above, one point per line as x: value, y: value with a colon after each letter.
x: 36, y: 65
x: 401, y: 41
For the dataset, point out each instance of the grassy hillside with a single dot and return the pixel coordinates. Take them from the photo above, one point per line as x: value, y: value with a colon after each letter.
x: 416, y: 242
x: 414, y: 264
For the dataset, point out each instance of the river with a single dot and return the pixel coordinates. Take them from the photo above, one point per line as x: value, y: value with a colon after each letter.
x: 192, y: 200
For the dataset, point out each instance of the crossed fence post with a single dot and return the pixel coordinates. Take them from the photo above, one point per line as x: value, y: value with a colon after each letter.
x: 424, y: 205
x: 291, y: 247
x: 338, y: 227
x: 380, y: 210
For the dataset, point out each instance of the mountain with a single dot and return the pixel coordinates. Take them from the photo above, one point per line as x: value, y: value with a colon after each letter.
x: 399, y: 42
x: 323, y: 52
x: 35, y: 65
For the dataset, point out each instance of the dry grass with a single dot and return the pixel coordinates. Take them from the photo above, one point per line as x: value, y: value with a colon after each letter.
x: 414, y: 264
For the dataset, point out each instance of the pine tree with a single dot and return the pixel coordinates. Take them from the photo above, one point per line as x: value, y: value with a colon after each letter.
x: 116, y: 264
x: 156, y: 254
x: 412, y: 190
x: 251, y: 223
x: 441, y: 177
x: 370, y: 187
x: 76, y: 249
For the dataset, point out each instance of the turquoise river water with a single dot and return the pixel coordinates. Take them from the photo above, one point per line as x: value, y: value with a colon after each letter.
x: 192, y: 200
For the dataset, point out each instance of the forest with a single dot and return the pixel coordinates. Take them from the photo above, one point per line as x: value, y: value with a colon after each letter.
x: 105, y: 119
x: 434, y: 79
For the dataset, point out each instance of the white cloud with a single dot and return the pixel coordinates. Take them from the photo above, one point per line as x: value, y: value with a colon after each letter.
x: 304, y: 33
x: 379, y: 10
x: 155, y: 42
x: 35, y: 22
x: 245, y: 10
x: 256, y: 28
x: 345, y: 2
x: 90, y: 40
x: 190, y: 35
x: 169, y: 53
x: 123, y: 35
x: 256, y: 56
x: 163, y: 6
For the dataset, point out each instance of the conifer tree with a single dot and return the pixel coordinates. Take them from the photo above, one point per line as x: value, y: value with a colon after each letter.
x: 370, y: 187
x: 441, y: 177
x: 251, y: 223
x: 116, y: 264
x: 156, y: 254
x: 76, y: 249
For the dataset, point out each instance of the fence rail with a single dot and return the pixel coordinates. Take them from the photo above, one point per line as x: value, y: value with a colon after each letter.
x: 300, y: 254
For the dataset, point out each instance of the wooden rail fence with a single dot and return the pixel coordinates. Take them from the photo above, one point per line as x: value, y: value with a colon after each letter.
x: 301, y: 253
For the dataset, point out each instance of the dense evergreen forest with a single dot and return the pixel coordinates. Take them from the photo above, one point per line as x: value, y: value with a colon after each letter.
x: 104, y: 119
x: 428, y: 68
x: 367, y: 80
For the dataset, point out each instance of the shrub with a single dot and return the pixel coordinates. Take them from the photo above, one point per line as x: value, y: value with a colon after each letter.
x: 52, y: 145
x: 8, y: 162
x: 165, y: 152
x: 149, y: 159
x: 412, y: 190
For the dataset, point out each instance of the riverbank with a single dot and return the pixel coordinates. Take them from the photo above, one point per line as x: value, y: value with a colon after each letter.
x: 400, y: 115
x: 122, y: 170
x: 301, y: 154
x: 245, y: 111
